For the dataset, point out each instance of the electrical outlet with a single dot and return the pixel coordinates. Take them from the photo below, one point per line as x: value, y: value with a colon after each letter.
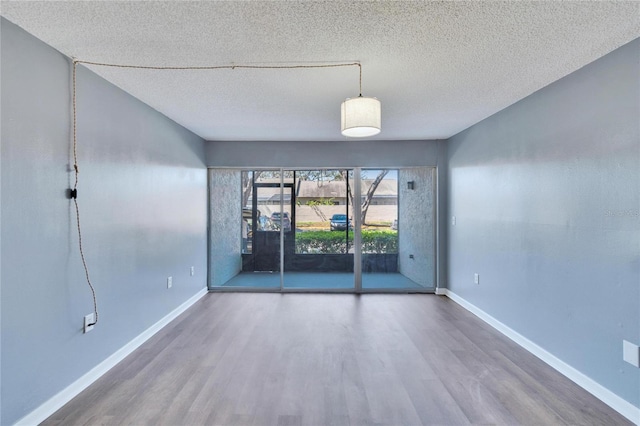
x: 169, y: 282
x: 453, y: 220
x: 476, y: 278
x: 89, y: 319
x: 410, y: 256
x: 192, y: 271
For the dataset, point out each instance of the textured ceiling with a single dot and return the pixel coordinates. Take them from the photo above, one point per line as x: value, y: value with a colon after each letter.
x: 437, y: 67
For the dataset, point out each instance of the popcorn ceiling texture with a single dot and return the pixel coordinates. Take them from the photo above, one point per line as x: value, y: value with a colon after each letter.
x: 437, y: 67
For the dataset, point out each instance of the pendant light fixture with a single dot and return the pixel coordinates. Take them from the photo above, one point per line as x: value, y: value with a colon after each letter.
x: 360, y: 117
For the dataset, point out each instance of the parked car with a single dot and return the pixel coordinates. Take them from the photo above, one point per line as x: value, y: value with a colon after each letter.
x: 339, y: 222
x: 286, y: 221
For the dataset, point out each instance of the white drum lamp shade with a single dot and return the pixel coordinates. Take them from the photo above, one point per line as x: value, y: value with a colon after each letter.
x: 360, y: 117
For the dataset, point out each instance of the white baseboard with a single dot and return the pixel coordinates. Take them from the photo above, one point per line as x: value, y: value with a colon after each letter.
x: 441, y: 291
x: 41, y: 413
x: 622, y: 406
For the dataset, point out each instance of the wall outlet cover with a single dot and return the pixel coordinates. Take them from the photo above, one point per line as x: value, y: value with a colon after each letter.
x: 89, y: 319
x: 169, y: 282
x: 476, y: 278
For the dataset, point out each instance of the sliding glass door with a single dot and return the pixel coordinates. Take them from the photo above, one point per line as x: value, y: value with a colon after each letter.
x: 344, y: 230
x: 397, y: 229
x: 321, y: 254
x: 379, y: 232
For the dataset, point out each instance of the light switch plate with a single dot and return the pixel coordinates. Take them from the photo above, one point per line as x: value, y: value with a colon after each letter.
x: 631, y: 353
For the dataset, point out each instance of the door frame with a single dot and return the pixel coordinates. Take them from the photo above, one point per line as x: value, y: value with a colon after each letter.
x: 255, y: 255
x: 356, y: 209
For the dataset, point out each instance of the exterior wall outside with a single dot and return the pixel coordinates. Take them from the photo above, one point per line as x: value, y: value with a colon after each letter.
x: 416, y: 226
x: 546, y: 196
x: 383, y: 213
x: 142, y: 196
x: 225, y: 216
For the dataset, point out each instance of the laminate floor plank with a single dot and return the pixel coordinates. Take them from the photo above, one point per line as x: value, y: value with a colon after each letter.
x: 387, y: 398
x: 478, y: 403
x: 360, y: 412
x: 559, y: 402
x: 428, y: 394
x: 331, y: 359
x: 336, y: 412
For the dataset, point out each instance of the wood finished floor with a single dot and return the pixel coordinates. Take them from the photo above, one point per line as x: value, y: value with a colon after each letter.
x: 331, y: 359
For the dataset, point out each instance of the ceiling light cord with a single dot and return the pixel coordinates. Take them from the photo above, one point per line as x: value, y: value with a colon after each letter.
x: 360, y: 66
x: 74, y: 196
x: 217, y: 67
x: 76, y: 170
x: 229, y: 67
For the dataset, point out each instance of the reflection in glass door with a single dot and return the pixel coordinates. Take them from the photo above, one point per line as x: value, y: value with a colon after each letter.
x: 269, y: 216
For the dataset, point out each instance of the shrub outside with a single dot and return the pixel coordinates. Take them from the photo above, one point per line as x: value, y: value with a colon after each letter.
x: 327, y: 242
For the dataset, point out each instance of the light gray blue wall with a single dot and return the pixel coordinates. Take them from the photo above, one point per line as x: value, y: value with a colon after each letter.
x: 348, y: 153
x: 143, y: 200
x: 546, y: 196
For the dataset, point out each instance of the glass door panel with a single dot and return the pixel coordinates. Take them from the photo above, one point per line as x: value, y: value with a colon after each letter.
x: 321, y: 256
x: 266, y: 228
x: 398, y: 222
x: 379, y: 234
x: 259, y: 235
x: 301, y: 230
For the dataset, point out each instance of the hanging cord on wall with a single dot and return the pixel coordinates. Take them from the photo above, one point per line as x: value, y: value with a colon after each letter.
x: 74, y: 196
x: 74, y: 191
